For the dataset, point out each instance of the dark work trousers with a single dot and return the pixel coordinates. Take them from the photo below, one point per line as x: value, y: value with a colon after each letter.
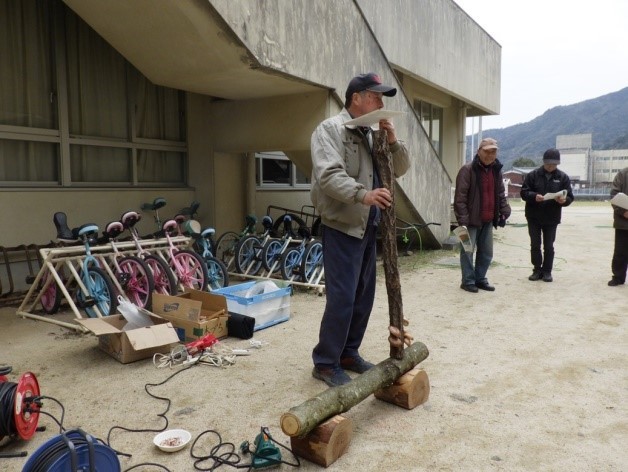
x: 619, y: 264
x: 546, y: 234
x: 350, y: 290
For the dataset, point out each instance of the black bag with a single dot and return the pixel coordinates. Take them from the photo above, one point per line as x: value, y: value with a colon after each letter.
x: 240, y: 326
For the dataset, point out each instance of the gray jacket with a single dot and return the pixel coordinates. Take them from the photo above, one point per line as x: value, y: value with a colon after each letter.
x: 620, y: 184
x: 342, y: 173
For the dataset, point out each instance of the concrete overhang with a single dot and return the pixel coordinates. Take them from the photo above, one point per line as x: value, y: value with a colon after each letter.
x: 187, y: 46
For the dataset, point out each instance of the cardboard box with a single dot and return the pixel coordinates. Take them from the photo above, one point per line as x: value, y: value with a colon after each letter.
x: 135, y: 344
x: 193, y: 313
x: 192, y: 305
x: 192, y: 330
x: 267, y: 301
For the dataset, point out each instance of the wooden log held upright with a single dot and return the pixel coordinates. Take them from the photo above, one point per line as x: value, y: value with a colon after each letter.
x: 383, y: 163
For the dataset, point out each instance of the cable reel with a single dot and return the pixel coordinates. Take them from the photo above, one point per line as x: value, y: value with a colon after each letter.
x: 73, y: 450
x: 19, y: 406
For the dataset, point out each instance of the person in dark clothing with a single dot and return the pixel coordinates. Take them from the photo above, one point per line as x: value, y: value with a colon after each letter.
x: 619, y: 264
x: 480, y: 204
x: 543, y: 211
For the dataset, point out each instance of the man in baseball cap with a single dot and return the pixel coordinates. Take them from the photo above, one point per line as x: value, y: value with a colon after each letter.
x: 487, y: 143
x: 371, y: 82
x: 349, y: 197
x: 480, y: 205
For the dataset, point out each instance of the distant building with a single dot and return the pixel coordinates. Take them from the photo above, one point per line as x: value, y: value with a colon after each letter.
x: 591, y: 172
x: 585, y: 166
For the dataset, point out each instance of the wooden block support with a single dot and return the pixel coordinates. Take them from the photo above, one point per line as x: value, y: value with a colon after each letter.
x: 325, y: 443
x: 409, y: 391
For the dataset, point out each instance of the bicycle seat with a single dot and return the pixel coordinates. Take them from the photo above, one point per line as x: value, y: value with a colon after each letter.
x: 87, y: 229
x: 304, y: 232
x: 64, y: 233
x: 170, y: 226
x: 158, y: 203
x: 267, y: 222
x: 130, y: 219
x: 250, y: 220
x: 208, y: 232
x: 113, y: 230
x: 192, y: 227
x: 191, y: 210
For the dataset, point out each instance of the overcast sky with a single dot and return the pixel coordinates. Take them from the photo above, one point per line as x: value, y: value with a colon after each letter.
x: 554, y: 52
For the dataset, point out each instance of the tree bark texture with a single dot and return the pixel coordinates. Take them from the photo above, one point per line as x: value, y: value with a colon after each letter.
x: 301, y: 419
x: 383, y: 163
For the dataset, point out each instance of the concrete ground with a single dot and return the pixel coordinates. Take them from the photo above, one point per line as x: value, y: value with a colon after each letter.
x: 530, y: 377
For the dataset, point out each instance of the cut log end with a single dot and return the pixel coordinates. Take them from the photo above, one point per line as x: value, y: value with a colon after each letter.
x: 325, y: 443
x: 409, y: 391
x: 290, y: 424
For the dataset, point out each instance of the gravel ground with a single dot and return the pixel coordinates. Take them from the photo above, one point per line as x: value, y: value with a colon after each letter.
x: 529, y: 377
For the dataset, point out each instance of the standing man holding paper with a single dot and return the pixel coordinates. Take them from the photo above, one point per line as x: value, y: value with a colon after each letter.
x: 480, y: 204
x: 543, y: 211
x: 346, y: 192
x: 619, y: 264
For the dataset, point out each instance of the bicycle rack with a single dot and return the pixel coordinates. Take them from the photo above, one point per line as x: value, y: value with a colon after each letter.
x: 315, y: 282
x: 70, y: 258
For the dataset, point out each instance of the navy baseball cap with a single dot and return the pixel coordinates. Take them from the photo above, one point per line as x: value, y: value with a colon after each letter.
x: 370, y: 81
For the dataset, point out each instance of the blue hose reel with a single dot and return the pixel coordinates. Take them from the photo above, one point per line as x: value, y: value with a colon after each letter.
x: 73, y: 451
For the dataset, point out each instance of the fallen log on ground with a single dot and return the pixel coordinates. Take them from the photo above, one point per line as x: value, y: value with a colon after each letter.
x: 302, y: 419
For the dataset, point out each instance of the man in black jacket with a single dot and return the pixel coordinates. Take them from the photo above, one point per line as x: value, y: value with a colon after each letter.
x: 546, y: 191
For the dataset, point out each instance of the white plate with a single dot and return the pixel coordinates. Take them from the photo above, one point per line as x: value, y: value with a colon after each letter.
x: 182, y: 434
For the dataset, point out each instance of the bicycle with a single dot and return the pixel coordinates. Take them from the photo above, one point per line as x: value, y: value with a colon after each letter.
x: 133, y: 274
x: 249, y: 249
x: 216, y: 270
x: 188, y: 266
x: 95, y: 292
x: 304, y: 262
x: 273, y: 248
x: 163, y: 278
x: 227, y: 242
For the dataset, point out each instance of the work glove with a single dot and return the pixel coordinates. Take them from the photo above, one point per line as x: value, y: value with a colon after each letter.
x: 502, y: 221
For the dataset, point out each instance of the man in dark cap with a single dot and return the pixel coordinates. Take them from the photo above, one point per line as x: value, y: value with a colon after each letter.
x: 347, y: 194
x: 546, y: 191
x: 480, y: 205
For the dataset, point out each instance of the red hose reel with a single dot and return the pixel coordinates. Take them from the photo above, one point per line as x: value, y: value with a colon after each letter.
x: 25, y: 408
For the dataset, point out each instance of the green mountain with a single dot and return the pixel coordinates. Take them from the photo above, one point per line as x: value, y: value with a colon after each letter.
x: 605, y: 118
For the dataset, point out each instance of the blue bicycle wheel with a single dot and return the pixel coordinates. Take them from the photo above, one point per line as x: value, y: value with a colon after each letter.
x: 312, y: 261
x: 290, y: 264
x: 217, y: 272
x: 101, y: 294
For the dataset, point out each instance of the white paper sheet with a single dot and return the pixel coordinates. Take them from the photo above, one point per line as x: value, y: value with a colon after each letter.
x: 621, y: 200
x: 373, y: 118
x: 552, y: 196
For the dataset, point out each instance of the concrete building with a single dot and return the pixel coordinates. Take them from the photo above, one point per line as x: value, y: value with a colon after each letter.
x: 105, y: 105
x: 586, y: 166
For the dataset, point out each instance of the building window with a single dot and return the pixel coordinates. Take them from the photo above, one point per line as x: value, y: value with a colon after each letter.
x: 275, y: 170
x: 74, y: 112
x: 431, y: 118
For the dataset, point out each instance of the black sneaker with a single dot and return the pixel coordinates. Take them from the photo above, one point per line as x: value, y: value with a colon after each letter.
x: 547, y: 277
x: 469, y: 288
x: 614, y: 282
x: 332, y: 376
x: 355, y: 364
x: 536, y: 275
